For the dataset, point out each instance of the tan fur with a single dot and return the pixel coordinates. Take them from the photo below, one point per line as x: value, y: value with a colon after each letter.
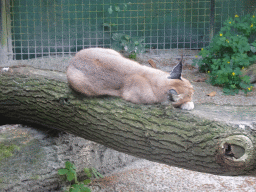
x: 99, y: 71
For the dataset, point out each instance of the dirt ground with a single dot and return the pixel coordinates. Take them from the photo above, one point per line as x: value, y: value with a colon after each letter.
x: 146, y: 176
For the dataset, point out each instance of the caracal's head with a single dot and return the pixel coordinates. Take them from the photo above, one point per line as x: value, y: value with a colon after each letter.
x: 181, y: 90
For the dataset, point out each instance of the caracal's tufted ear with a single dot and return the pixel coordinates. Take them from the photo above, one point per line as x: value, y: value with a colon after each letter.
x: 176, y: 72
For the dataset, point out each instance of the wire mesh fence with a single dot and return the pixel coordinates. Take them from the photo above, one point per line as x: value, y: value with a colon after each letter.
x: 58, y: 27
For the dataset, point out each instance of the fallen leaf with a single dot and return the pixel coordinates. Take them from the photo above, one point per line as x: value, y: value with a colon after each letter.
x: 152, y: 63
x: 201, y: 79
x: 212, y: 94
x: 187, y: 66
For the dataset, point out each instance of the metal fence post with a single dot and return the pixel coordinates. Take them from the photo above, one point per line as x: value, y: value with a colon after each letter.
x: 5, y: 32
x: 212, y: 18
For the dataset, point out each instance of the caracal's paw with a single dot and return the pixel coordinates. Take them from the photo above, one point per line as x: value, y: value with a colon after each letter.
x: 187, y: 106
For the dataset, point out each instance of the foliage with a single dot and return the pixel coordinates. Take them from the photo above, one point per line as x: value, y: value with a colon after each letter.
x: 233, y: 48
x: 115, y: 8
x: 70, y: 172
x: 132, y: 45
x: 92, y: 172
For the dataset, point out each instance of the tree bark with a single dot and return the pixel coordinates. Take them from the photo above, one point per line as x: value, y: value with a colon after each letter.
x: 157, y: 132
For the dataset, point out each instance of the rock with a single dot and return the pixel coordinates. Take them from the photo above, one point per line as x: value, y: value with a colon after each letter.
x: 251, y: 72
x: 30, y: 158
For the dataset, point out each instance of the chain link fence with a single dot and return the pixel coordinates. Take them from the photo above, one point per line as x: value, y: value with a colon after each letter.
x: 58, y: 27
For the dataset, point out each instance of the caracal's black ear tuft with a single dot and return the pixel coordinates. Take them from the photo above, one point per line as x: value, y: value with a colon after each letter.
x: 176, y: 72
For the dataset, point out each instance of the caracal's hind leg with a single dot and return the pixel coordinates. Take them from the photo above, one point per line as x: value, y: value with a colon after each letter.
x: 79, y: 81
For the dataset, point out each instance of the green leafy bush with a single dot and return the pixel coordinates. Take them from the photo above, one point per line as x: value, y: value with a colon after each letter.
x: 132, y: 45
x: 121, y: 7
x: 233, y: 48
x: 70, y: 172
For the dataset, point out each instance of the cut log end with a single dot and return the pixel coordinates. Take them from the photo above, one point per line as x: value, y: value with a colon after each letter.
x: 236, y: 152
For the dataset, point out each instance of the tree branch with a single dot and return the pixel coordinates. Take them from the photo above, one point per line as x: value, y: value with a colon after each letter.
x: 155, y: 132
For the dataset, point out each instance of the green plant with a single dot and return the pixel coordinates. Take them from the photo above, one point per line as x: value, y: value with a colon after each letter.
x: 92, y: 172
x: 70, y: 172
x: 132, y: 45
x: 233, y: 48
x: 115, y: 8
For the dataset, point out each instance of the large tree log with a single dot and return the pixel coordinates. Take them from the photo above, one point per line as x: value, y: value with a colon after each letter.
x: 158, y: 132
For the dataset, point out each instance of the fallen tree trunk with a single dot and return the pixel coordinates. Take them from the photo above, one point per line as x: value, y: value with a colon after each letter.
x: 155, y: 132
